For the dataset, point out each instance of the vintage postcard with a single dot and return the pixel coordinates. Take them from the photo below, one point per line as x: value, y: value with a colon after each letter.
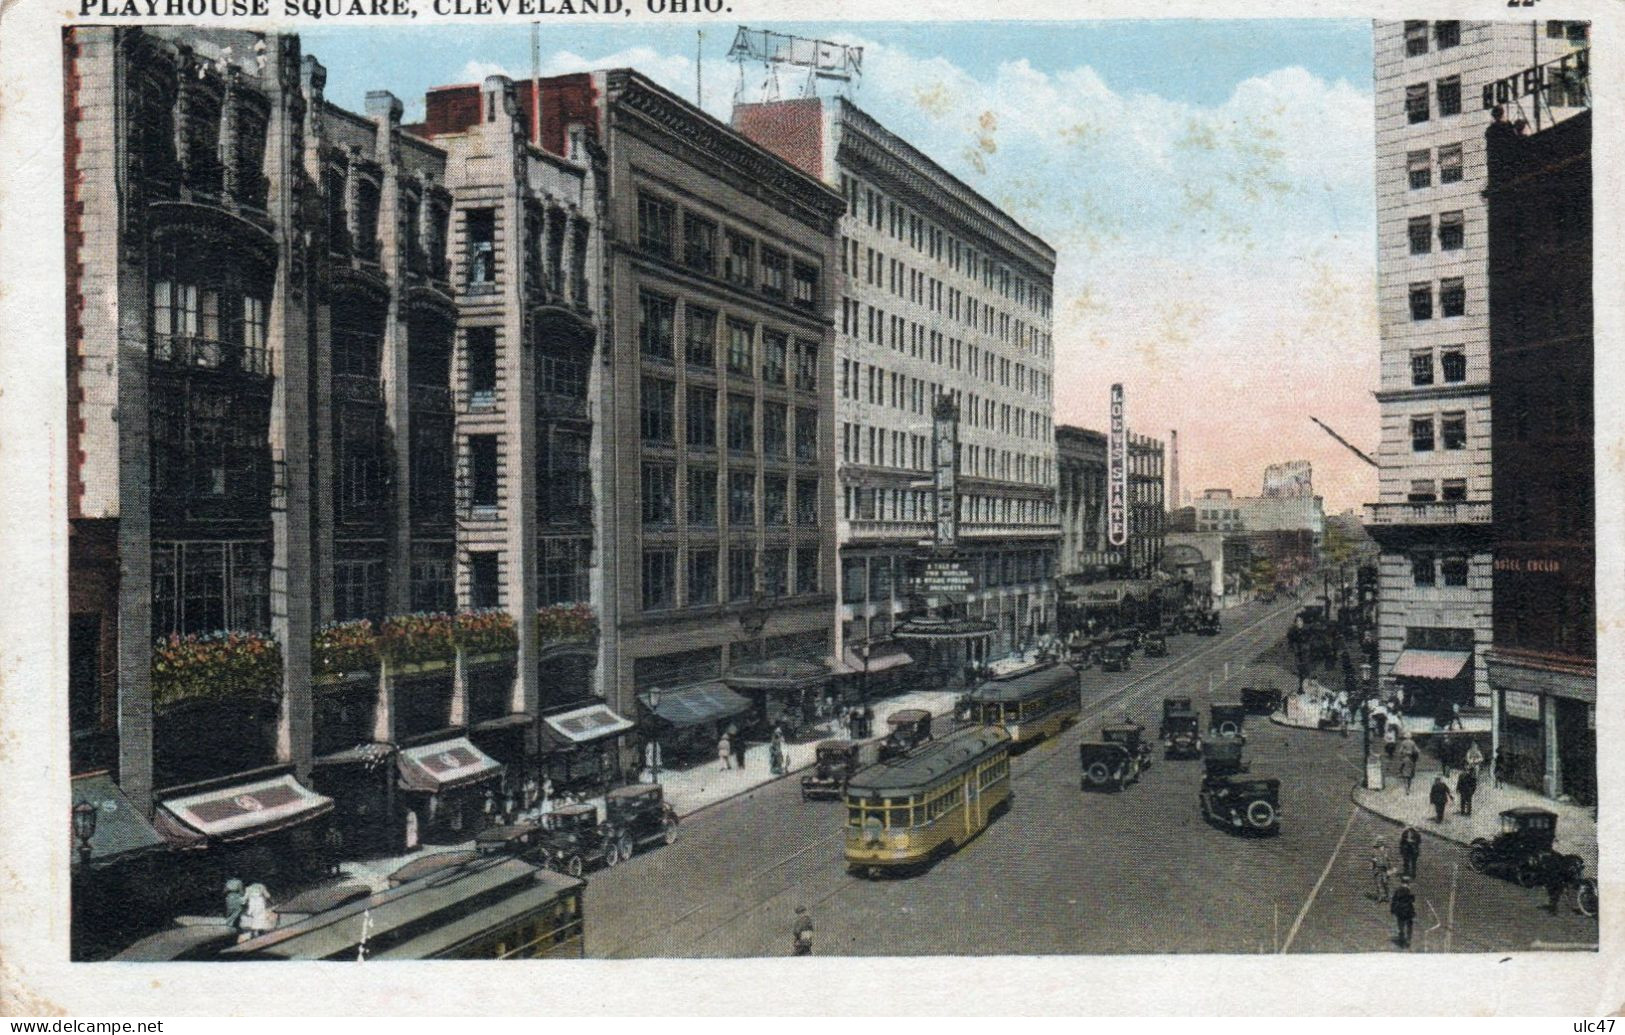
x: 1084, y: 498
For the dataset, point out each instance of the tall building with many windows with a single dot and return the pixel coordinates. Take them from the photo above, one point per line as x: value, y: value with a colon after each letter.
x: 942, y: 295
x: 1435, y: 91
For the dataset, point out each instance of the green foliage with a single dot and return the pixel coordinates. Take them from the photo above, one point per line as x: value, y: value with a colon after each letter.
x: 215, y: 666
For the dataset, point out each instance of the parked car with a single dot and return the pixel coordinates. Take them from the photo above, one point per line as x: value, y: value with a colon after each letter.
x: 1242, y: 802
x: 1156, y: 644
x: 1223, y: 757
x: 909, y: 728
x: 510, y: 839
x: 572, y: 840
x: 1226, y: 720
x: 1171, y: 707
x: 1181, y: 736
x: 1132, y: 736
x: 1524, y: 848
x: 834, y: 763
x: 1107, y: 765
x: 1260, y: 700
x: 1117, y: 656
x: 640, y: 813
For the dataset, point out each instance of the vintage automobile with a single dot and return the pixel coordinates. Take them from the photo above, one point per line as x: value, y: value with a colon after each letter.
x: 1174, y: 706
x: 1524, y: 848
x: 1156, y: 644
x: 834, y: 763
x: 1260, y: 700
x: 909, y: 728
x: 1181, y: 736
x: 508, y: 839
x: 1132, y: 736
x: 1107, y: 765
x: 1242, y: 802
x: 640, y: 814
x: 1207, y: 624
x: 1117, y: 656
x: 572, y: 839
x: 1222, y: 757
x: 1227, y: 719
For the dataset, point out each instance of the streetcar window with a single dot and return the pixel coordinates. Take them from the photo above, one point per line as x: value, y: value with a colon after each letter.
x: 854, y: 817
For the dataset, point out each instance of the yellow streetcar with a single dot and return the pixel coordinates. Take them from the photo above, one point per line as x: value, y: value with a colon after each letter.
x: 924, y: 805
x: 1030, y: 704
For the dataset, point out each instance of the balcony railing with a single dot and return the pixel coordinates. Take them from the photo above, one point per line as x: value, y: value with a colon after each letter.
x: 1453, y: 513
x: 205, y: 354
x: 1006, y: 530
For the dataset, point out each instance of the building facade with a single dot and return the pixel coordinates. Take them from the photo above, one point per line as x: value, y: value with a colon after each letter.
x: 1148, y: 507
x: 1080, y: 495
x: 941, y: 295
x: 1543, y: 666
x: 305, y: 355
x: 1432, y: 517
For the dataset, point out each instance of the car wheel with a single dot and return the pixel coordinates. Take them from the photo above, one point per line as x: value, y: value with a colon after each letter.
x: 573, y: 866
x: 1098, y: 774
x: 627, y: 845
x: 1479, y: 857
x: 1528, y: 873
x: 612, y: 855
x: 1261, y: 814
x: 1228, y: 729
x: 1574, y: 866
x: 668, y: 831
x: 1585, y: 897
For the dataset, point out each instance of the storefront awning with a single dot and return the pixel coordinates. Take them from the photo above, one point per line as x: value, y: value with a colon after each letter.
x: 692, y: 705
x: 783, y: 674
x: 241, y: 812
x: 1430, y: 664
x: 880, y: 660
x: 121, y: 829
x: 444, y: 766
x: 584, y: 725
x: 944, y: 629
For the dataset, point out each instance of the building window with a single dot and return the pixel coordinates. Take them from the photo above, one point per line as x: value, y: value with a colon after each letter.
x: 1453, y: 364
x: 1422, y: 573
x: 775, y: 269
x: 655, y: 411
x: 655, y: 221
x: 200, y: 587
x: 482, y: 255
x: 433, y: 577
x: 482, y: 366
x: 700, y: 326
x: 775, y: 430
x: 1452, y: 232
x: 564, y: 568
x: 776, y: 572
x: 775, y: 500
x: 806, y: 366
x: 702, y: 577
x: 741, y: 499
x: 1449, y: 91
x: 1577, y: 32
x: 564, y: 377
x: 1416, y: 103
x: 1452, y: 296
x: 659, y: 579
x: 1419, y: 167
x: 656, y: 318
x: 804, y: 286
x: 1422, y: 367
x: 1421, y: 301
x: 659, y: 495
x: 1453, y: 430
x: 775, y: 347
x: 806, y: 434
x: 807, y: 501
x: 741, y: 573
x: 482, y: 471
x: 1421, y: 491
x: 701, y: 418
x: 1416, y: 38
x: 807, y: 569
x: 1446, y: 35
x: 739, y: 268
x: 1422, y: 434
x: 1453, y: 569
x: 358, y: 588
x: 740, y: 359
x: 1454, y: 490
x: 699, y: 244
x: 741, y: 424
x: 484, y: 586
x: 1449, y: 163
x: 702, y: 496
x: 1421, y: 234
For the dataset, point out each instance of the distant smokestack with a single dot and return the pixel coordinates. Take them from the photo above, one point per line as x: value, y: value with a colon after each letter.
x: 1173, y: 471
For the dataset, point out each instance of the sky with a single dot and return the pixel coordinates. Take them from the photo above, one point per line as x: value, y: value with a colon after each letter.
x: 1207, y: 187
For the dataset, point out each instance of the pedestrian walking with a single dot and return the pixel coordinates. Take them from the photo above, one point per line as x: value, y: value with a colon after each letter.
x: 1403, y: 908
x: 1447, y: 752
x: 258, y: 916
x: 1381, y: 866
x: 868, y: 721
x: 1410, y: 850
x: 1466, y: 787
x: 1390, y: 739
x: 775, y: 753
x: 1440, y: 797
x: 1474, y: 759
x: 725, y: 752
x: 801, y: 933
x: 1499, y: 768
x: 1408, y: 753
x: 739, y: 746
x: 236, y: 902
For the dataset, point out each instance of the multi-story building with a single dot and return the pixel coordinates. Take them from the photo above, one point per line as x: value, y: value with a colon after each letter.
x: 308, y: 364
x: 716, y: 398
x: 1432, y: 516
x: 1147, y: 507
x: 1080, y: 462
x: 1543, y: 665
x: 942, y: 295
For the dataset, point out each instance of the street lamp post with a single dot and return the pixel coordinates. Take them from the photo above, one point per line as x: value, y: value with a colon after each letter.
x: 864, y: 648
x: 84, y: 828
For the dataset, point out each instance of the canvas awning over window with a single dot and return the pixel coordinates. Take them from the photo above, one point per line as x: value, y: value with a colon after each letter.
x: 241, y: 812
x: 121, y: 830
x: 880, y: 660
x: 584, y: 725
x: 692, y: 705
x: 1414, y: 663
x: 445, y: 765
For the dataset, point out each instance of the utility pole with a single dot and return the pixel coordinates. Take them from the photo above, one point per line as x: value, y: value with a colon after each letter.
x: 699, y: 82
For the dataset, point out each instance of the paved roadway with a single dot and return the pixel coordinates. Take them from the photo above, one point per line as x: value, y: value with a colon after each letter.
x: 1067, y: 871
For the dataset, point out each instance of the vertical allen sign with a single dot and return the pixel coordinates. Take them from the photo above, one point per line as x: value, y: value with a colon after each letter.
x: 1117, y: 474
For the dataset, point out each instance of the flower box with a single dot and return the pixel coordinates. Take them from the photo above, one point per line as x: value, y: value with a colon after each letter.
x: 417, y: 638
x: 563, y: 622
x: 341, y: 648
x: 496, y: 657
x: 488, y: 631
x: 215, y: 666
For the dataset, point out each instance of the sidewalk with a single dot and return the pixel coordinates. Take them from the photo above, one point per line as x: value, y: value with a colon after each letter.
x: 1576, y: 824
x: 692, y: 789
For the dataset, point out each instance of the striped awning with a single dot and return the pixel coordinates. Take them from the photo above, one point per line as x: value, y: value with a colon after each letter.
x: 445, y: 765
x: 1414, y: 663
x: 241, y: 812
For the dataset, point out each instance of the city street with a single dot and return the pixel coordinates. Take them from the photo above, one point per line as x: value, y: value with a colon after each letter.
x: 1074, y: 872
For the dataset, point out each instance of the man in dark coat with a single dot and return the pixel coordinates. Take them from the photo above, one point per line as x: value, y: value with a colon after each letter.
x: 739, y: 747
x: 1403, y: 908
x: 1439, y: 797
x: 1410, y: 849
x: 1466, y: 787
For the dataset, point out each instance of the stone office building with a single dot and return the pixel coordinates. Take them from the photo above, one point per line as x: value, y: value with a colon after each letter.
x: 306, y: 350
x: 942, y: 295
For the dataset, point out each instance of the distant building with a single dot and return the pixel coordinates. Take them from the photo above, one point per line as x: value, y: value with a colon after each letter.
x: 1080, y: 458
x: 1292, y: 479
